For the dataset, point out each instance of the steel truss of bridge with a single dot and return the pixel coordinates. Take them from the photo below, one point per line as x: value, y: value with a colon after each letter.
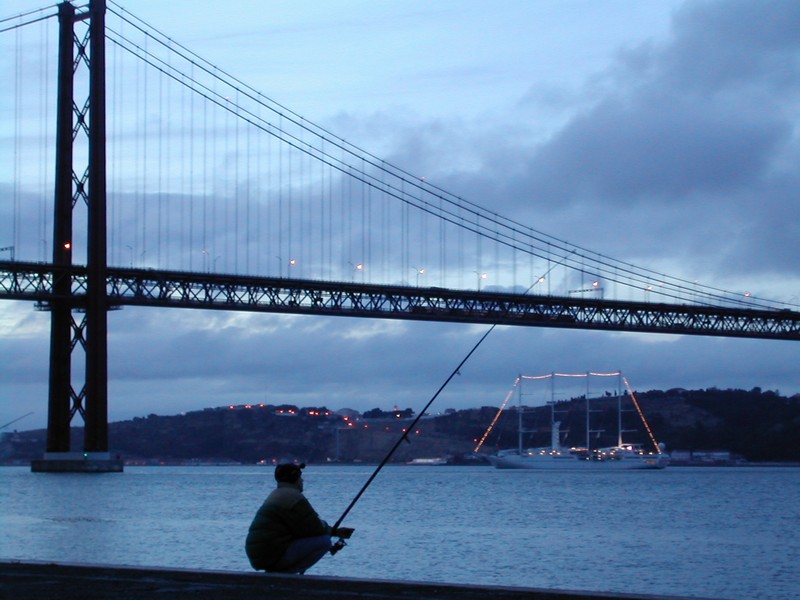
x: 178, y: 289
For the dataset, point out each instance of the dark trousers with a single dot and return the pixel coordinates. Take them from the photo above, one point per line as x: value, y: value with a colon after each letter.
x: 302, y: 553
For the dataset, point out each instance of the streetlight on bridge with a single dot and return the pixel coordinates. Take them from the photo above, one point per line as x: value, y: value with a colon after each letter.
x: 292, y: 263
x: 357, y: 268
x: 419, y: 271
x: 481, y: 277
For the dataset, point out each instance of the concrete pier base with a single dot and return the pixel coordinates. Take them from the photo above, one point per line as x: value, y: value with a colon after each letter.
x: 63, y: 581
x: 77, y: 462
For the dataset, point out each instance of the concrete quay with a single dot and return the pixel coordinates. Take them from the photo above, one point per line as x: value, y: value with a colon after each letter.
x: 65, y: 581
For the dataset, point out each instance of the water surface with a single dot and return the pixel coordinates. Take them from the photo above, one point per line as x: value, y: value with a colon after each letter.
x: 715, y: 532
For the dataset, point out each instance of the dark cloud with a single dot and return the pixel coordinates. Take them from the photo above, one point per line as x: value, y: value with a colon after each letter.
x: 687, y: 148
x: 655, y: 145
x: 734, y: 45
x: 699, y: 114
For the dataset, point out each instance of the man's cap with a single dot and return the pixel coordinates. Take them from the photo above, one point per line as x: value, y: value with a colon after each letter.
x: 289, y: 472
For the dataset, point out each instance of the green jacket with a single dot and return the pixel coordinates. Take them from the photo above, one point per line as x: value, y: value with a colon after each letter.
x: 286, y: 515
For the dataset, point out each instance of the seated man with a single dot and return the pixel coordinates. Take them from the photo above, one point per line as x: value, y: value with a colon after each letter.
x: 287, y: 535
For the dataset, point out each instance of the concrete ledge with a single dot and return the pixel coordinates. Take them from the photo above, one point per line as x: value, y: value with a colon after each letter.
x: 65, y: 581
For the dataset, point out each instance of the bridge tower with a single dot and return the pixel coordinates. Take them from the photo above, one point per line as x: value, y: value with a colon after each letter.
x: 79, y: 321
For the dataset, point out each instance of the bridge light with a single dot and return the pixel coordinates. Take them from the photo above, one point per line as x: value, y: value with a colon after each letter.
x: 357, y: 268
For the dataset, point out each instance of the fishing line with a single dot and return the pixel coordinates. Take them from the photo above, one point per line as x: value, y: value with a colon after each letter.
x: 455, y: 372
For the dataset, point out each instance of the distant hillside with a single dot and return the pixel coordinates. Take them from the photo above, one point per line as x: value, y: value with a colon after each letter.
x: 759, y: 425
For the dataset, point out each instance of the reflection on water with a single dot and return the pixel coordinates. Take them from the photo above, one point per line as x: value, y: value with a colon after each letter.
x: 728, y: 533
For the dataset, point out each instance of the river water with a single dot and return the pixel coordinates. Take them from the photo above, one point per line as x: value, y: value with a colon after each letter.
x: 712, y: 532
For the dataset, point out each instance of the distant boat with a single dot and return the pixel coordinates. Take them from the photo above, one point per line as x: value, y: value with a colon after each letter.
x: 556, y: 457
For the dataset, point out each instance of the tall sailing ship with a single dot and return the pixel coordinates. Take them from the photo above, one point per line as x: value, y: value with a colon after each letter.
x: 555, y: 456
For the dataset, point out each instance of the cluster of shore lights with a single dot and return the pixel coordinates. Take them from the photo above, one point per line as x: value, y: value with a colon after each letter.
x: 366, y: 426
x: 289, y: 411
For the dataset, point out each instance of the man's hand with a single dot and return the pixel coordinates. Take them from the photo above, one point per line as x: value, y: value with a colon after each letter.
x: 343, y: 532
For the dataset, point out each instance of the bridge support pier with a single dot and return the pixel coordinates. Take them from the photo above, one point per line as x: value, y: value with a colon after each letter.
x: 89, y: 332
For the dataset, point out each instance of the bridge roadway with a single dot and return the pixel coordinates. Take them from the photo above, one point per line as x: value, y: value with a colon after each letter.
x: 179, y: 289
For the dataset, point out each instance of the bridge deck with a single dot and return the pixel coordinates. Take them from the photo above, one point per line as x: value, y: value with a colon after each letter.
x: 178, y: 289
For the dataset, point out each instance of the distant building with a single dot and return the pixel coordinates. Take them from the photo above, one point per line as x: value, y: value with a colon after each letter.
x: 702, y: 458
x: 348, y: 412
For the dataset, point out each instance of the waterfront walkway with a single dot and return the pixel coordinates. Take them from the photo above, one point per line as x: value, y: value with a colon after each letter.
x: 65, y: 581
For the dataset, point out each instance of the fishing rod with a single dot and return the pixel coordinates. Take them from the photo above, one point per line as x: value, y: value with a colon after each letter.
x: 341, y: 543
x: 413, y: 423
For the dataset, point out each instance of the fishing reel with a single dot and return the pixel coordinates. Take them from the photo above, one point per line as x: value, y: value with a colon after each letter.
x: 342, y: 533
x: 338, y: 545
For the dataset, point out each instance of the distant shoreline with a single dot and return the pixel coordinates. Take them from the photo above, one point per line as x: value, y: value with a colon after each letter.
x: 343, y: 464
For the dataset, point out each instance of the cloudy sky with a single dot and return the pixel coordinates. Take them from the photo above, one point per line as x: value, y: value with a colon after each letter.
x: 664, y: 133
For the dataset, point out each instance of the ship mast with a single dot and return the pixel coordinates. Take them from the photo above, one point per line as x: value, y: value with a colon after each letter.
x: 619, y: 409
x: 588, y: 412
x: 519, y: 415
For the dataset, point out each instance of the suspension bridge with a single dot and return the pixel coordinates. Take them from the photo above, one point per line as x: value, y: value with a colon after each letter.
x: 143, y: 175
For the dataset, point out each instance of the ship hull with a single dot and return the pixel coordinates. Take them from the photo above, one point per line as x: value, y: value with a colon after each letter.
x: 566, y: 462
